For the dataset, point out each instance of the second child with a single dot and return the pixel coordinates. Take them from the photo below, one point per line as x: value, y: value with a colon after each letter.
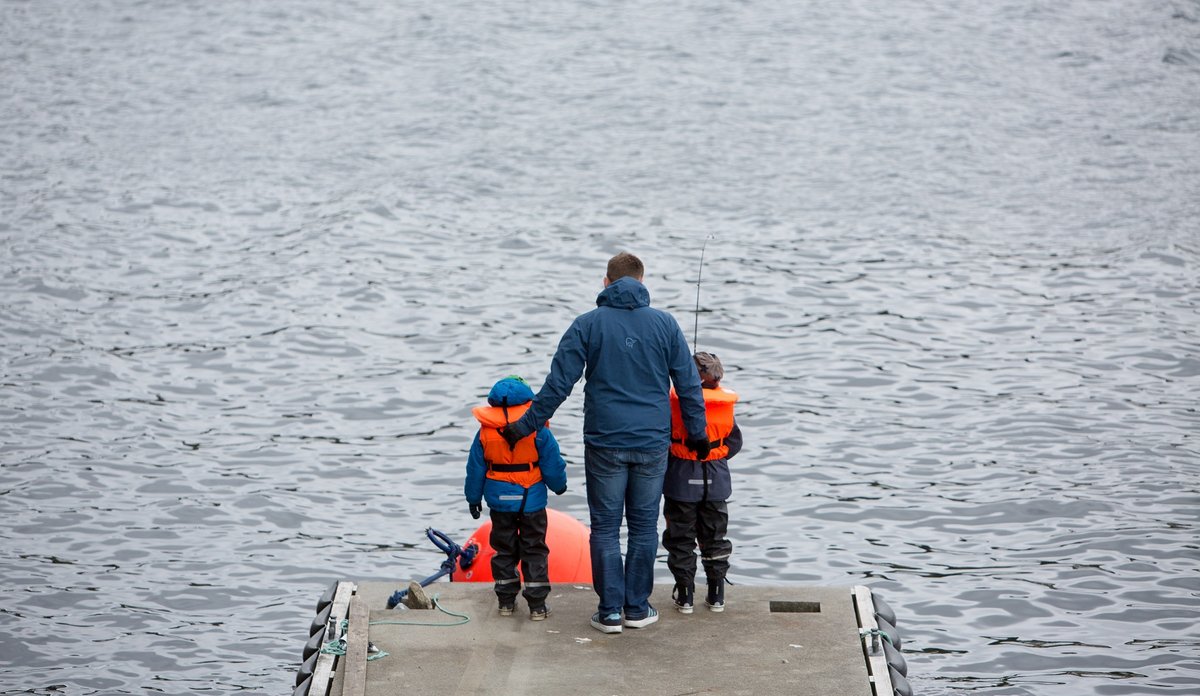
x: 696, y: 490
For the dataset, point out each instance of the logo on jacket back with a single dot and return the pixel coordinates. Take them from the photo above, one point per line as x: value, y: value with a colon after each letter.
x: 630, y: 342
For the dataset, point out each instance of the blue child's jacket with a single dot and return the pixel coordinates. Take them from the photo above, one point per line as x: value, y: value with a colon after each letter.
x: 502, y: 495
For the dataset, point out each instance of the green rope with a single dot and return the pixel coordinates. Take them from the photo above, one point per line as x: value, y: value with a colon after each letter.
x: 338, y: 646
x: 463, y: 618
x: 864, y: 632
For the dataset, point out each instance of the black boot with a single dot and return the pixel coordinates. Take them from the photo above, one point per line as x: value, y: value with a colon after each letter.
x: 682, y: 594
x: 716, y: 595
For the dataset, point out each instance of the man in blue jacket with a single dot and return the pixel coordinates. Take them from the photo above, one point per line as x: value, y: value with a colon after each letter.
x: 630, y: 354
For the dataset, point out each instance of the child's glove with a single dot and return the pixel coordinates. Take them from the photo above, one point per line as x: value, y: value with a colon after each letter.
x: 700, y: 445
x: 561, y: 491
x: 476, y: 508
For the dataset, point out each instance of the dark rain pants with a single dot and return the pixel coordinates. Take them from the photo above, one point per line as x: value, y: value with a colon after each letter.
x: 520, y: 537
x: 703, y: 523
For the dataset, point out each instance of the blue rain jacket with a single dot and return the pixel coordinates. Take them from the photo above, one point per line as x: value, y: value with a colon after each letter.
x: 502, y: 495
x: 629, y: 354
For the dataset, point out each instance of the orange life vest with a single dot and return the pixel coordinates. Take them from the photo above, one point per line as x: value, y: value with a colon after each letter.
x: 718, y: 411
x: 518, y: 464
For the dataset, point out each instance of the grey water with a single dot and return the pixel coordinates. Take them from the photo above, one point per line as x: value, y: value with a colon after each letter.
x: 260, y: 259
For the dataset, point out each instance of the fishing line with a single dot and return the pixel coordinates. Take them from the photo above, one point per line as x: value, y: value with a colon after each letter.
x: 699, y: 274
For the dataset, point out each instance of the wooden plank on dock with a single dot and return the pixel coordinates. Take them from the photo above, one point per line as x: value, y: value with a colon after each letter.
x: 323, y: 670
x: 877, y: 665
x: 355, y: 670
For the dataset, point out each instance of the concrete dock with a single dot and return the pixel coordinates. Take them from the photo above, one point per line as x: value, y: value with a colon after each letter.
x: 803, y: 641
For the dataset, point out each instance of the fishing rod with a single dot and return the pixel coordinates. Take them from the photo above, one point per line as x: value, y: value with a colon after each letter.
x: 699, y: 274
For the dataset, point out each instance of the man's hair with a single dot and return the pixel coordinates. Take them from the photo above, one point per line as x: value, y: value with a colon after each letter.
x: 625, y: 264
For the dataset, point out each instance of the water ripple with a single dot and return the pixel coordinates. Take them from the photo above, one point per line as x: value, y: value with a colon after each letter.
x: 258, y: 264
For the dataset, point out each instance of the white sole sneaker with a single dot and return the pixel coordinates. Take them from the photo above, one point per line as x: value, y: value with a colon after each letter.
x: 644, y: 621
x: 604, y: 628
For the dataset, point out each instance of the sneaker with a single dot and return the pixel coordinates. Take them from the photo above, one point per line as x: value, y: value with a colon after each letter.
x: 507, y: 609
x: 609, y: 623
x: 716, y: 596
x: 539, y: 613
x: 682, y: 594
x: 644, y: 621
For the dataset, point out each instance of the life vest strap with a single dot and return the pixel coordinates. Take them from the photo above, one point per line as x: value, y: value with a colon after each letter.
x: 712, y: 443
x: 512, y: 468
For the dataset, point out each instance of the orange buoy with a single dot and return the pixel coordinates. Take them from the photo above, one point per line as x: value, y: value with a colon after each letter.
x: 570, y: 560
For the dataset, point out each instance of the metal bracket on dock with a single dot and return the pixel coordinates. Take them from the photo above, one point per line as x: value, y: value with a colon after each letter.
x: 874, y: 633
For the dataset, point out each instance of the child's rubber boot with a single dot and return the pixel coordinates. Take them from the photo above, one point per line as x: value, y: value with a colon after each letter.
x: 716, y: 595
x: 683, y: 594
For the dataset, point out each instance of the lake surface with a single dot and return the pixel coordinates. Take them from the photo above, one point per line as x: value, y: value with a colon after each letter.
x: 260, y: 259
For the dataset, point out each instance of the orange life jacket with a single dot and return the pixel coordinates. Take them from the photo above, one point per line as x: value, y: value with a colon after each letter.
x: 518, y: 464
x: 718, y: 411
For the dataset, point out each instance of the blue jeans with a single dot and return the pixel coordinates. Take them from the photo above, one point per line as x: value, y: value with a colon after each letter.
x: 625, y: 482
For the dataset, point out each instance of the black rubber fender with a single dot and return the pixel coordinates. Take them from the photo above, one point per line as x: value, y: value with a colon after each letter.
x: 882, y: 609
x: 900, y: 685
x: 320, y: 620
x: 302, y: 689
x: 894, y: 659
x: 327, y: 598
x: 314, y: 644
x: 306, y: 669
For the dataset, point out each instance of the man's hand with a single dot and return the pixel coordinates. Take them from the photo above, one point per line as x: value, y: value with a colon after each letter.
x: 510, y: 435
x: 700, y: 445
x: 476, y: 508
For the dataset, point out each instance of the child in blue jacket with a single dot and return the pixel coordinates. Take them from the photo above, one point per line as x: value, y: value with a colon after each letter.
x: 513, y: 479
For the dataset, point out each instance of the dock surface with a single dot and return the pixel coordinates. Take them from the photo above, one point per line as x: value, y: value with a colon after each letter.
x: 802, y: 641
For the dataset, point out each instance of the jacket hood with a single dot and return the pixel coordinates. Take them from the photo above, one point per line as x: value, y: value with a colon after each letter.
x: 510, y: 391
x: 624, y: 293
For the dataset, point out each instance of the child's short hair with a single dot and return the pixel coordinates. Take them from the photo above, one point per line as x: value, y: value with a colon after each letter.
x: 710, y: 369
